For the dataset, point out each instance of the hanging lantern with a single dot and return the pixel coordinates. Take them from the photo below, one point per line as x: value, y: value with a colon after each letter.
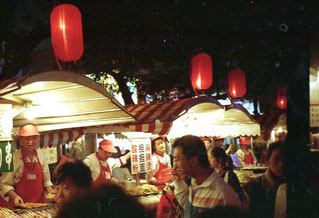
x: 66, y: 32
x: 282, y: 98
x: 201, y: 71
x: 236, y: 83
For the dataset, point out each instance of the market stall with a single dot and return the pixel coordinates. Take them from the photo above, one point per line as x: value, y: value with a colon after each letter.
x: 61, y: 104
x: 60, y: 100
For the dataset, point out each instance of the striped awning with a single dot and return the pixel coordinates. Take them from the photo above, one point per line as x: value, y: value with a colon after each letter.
x: 157, y: 118
x: 59, y: 138
x: 54, y: 139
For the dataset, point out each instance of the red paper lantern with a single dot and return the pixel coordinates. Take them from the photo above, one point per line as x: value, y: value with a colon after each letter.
x: 237, y: 83
x: 282, y: 98
x: 66, y: 32
x: 201, y: 71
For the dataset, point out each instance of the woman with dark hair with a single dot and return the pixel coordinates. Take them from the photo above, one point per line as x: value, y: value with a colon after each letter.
x: 223, y: 165
x: 106, y: 200
x: 262, y: 192
x: 71, y: 178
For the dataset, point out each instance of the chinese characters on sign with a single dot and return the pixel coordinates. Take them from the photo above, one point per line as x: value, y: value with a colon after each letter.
x: 6, y: 122
x: 6, y: 163
x: 141, y: 156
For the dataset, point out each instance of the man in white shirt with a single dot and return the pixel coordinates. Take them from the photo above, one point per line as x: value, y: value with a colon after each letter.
x: 30, y: 175
x: 101, y: 163
x: 207, y: 189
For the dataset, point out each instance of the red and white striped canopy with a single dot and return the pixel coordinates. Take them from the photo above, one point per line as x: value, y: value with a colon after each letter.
x: 59, y: 138
x: 53, y: 139
x: 157, y: 118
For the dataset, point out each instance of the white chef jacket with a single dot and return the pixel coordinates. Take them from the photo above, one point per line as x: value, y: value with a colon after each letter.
x: 8, y: 180
x: 93, y: 163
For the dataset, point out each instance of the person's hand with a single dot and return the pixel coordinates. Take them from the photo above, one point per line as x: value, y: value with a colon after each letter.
x: 49, y: 189
x: 18, y: 201
x: 178, y: 175
x: 230, y: 150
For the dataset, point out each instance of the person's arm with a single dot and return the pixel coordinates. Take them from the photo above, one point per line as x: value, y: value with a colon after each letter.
x: 281, y: 202
x: 234, y: 183
x: 240, y: 155
x: 180, y: 188
x: 47, y: 184
x: 127, y: 156
x: 15, y: 198
x: 229, y: 150
x: 169, y: 161
x: 9, y: 179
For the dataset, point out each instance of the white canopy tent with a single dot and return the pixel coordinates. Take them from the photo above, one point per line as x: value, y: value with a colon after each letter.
x: 206, y: 119
x: 60, y: 101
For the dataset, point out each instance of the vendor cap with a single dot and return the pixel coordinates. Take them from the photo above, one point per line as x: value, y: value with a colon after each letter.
x: 219, y: 138
x: 155, y: 137
x: 244, y: 141
x: 205, y: 138
x: 107, y: 145
x: 28, y: 130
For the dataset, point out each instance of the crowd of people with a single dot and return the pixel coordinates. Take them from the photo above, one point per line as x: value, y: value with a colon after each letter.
x: 197, y: 180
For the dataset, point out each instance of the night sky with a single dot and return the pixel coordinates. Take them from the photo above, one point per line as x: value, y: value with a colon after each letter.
x: 261, y: 37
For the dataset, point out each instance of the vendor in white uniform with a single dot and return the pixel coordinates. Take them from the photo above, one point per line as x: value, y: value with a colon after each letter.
x: 30, y: 176
x: 101, y: 163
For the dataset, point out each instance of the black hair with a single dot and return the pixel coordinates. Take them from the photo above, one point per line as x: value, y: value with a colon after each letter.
x: 273, y: 146
x: 107, y: 200
x: 74, y: 170
x: 193, y: 146
x: 220, y: 153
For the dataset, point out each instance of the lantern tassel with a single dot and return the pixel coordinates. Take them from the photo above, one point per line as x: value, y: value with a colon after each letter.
x: 58, y: 63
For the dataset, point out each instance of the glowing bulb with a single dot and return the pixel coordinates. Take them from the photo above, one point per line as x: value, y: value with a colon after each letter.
x: 198, y: 83
x: 279, y: 130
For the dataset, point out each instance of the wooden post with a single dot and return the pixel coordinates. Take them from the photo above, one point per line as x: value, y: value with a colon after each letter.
x: 137, y: 179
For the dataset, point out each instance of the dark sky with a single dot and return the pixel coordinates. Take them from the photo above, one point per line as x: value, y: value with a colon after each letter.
x: 261, y: 37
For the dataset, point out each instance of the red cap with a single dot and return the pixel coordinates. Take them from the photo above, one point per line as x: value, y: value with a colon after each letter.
x: 107, y: 145
x: 28, y: 130
x: 219, y: 138
x: 244, y: 141
x: 155, y: 137
x: 205, y: 138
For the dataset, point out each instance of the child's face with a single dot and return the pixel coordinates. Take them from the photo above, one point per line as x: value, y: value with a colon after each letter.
x: 160, y: 146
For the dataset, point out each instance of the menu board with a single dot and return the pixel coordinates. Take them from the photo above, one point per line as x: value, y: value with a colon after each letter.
x: 141, y: 154
x: 314, y: 104
x: 6, y: 122
x: 6, y: 159
x: 51, y: 155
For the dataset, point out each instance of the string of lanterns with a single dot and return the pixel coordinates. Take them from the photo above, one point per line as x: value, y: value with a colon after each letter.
x: 67, y: 43
x: 201, y: 73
